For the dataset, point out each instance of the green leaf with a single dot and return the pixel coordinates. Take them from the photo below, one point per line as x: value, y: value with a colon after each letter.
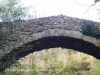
x: 1, y: 48
x: 0, y: 26
x: 97, y: 45
x: 2, y: 36
x: 38, y: 43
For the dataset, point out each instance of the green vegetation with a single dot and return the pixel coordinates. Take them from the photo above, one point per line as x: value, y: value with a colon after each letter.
x: 55, y: 61
x: 95, y: 1
x: 98, y: 45
x: 90, y: 29
x: 11, y: 10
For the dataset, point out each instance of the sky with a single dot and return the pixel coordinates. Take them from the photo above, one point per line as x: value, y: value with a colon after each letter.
x: 44, y: 8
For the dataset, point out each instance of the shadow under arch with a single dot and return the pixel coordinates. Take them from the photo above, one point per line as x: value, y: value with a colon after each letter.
x: 46, y: 43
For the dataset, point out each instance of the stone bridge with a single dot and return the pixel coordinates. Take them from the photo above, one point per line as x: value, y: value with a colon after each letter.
x: 24, y: 37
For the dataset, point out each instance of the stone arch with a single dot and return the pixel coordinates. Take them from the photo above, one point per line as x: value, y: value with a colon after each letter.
x: 51, y: 38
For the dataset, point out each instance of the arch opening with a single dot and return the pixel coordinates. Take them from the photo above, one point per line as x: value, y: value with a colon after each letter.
x: 46, y: 43
x: 52, y: 60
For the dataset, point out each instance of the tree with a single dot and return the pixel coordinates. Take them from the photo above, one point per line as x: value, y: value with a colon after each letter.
x: 11, y: 10
x: 96, y: 1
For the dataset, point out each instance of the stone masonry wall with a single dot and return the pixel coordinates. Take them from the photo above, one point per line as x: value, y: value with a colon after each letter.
x: 19, y: 33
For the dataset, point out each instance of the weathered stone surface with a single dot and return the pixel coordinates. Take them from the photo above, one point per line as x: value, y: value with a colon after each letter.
x: 55, y: 31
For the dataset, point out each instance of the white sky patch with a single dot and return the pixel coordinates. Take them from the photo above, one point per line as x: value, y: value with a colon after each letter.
x: 43, y: 8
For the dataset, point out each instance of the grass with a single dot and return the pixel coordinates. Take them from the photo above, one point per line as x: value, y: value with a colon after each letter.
x: 55, y: 61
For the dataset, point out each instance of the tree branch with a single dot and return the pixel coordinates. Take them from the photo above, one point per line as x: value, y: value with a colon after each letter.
x: 88, y: 9
x: 81, y: 3
x: 86, y: 5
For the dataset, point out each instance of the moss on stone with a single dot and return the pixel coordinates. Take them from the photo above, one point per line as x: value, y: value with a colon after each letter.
x: 97, y: 45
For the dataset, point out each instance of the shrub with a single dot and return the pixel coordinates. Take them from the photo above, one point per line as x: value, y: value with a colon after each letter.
x: 90, y: 29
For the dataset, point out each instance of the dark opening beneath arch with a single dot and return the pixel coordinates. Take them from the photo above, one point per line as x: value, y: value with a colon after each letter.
x: 46, y: 43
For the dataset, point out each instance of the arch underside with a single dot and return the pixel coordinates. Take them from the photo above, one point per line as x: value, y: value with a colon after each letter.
x: 46, y: 43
